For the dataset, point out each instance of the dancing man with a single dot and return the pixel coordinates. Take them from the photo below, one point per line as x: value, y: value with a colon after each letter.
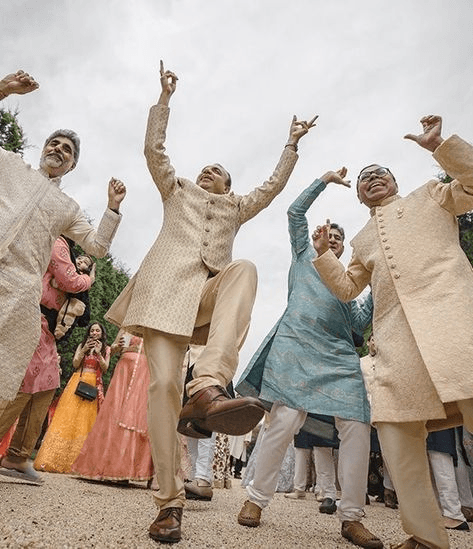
x: 189, y: 288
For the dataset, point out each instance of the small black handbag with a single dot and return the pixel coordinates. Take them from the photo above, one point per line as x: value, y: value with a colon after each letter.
x: 85, y: 390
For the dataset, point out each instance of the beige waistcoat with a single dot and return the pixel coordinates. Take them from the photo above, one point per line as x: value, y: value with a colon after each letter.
x: 33, y: 213
x: 195, y: 241
x: 422, y: 285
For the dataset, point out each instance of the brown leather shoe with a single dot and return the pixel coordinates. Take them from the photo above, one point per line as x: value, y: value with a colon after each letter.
x: 468, y: 513
x: 250, y: 514
x: 410, y: 543
x: 167, y: 526
x: 212, y: 409
x: 354, y: 531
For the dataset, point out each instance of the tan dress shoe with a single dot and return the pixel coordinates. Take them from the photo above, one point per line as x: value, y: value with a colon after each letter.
x: 212, y: 409
x: 410, y: 543
x: 167, y: 525
x: 354, y: 531
x: 250, y: 514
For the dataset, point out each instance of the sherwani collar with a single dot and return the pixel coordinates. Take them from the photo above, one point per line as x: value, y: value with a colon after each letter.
x: 55, y: 180
x: 385, y: 202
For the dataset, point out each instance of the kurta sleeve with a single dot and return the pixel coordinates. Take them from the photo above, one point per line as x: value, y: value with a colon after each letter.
x: 95, y: 242
x: 64, y: 271
x: 258, y: 199
x: 456, y: 158
x: 346, y: 285
x: 362, y: 314
x: 159, y: 165
x: 298, y: 226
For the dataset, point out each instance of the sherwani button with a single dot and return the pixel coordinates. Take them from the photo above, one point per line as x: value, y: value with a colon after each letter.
x: 393, y: 266
x: 390, y: 256
x: 212, y: 201
x: 387, y: 247
x: 207, y: 229
x: 397, y: 275
x: 209, y: 216
x: 206, y: 243
x: 384, y: 240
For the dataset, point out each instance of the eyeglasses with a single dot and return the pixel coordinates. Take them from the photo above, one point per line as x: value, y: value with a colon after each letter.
x: 365, y: 175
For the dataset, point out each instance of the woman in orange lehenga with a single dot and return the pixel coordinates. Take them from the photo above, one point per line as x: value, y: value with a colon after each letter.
x: 118, y: 447
x: 75, y: 416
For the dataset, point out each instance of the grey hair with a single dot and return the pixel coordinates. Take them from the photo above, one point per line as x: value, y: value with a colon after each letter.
x: 337, y: 227
x: 70, y: 135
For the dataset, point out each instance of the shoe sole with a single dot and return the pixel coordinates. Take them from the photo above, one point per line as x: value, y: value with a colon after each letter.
x: 163, y: 539
x: 234, y: 422
x: 189, y: 428
x: 13, y: 473
x: 248, y: 522
x: 328, y: 511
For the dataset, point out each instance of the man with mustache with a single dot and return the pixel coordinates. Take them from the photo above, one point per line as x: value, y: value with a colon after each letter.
x: 34, y: 211
x: 189, y: 288
x: 421, y: 280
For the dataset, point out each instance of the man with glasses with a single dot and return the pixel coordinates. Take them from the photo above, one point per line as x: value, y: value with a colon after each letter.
x: 422, y: 282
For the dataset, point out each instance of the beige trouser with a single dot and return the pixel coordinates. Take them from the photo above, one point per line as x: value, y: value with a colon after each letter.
x: 226, y: 303
x: 31, y: 410
x: 404, y: 448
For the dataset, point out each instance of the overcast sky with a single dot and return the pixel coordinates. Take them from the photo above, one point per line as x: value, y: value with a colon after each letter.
x: 369, y: 68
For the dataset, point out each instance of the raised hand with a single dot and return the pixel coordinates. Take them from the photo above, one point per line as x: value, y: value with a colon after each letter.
x: 20, y: 82
x: 116, y: 193
x: 299, y: 128
x: 431, y: 137
x: 337, y: 177
x: 168, y: 83
x: 320, y: 238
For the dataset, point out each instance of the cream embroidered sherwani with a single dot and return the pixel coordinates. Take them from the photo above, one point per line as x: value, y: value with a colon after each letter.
x: 33, y: 213
x: 422, y: 285
x: 187, y: 281
x: 196, y: 240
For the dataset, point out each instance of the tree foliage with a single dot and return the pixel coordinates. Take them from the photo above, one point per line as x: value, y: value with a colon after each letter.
x: 12, y: 137
x: 110, y: 280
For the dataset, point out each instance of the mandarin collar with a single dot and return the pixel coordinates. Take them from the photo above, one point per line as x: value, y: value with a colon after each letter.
x: 384, y: 202
x: 55, y: 180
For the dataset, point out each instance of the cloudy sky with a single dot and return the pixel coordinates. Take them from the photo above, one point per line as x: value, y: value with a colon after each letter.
x: 369, y: 68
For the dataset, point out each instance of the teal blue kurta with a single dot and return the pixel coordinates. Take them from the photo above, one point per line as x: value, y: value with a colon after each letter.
x: 308, y: 361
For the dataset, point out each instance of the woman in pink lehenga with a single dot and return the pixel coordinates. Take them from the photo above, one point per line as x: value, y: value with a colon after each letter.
x: 117, y: 448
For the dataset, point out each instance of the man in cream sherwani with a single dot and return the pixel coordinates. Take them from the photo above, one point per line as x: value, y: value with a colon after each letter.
x: 34, y: 211
x: 188, y: 288
x: 422, y: 286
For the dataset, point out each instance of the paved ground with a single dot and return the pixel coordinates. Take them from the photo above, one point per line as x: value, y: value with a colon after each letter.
x: 69, y: 513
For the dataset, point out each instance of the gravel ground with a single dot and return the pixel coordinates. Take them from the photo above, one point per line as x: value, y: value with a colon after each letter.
x: 69, y: 513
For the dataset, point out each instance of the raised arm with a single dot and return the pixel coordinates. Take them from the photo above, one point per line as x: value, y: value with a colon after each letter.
x: 157, y: 160
x: 298, y: 228
x: 258, y: 199
x: 20, y: 83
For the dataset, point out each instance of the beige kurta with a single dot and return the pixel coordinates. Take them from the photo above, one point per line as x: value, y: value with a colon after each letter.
x: 195, y: 240
x: 422, y: 285
x: 33, y: 213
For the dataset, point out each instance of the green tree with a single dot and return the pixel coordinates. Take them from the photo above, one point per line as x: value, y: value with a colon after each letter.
x: 111, y: 278
x: 12, y: 137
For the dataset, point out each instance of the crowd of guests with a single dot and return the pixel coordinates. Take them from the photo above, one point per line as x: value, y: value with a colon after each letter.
x: 170, y: 413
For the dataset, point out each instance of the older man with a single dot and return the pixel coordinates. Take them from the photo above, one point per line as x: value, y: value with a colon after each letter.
x: 308, y: 364
x: 422, y: 289
x: 34, y: 211
x: 187, y: 288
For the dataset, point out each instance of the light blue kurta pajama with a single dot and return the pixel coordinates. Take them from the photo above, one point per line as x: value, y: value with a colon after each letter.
x: 308, y: 365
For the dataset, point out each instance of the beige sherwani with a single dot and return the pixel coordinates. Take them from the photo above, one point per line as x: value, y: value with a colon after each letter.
x: 422, y: 284
x: 187, y: 288
x: 196, y: 240
x: 33, y: 213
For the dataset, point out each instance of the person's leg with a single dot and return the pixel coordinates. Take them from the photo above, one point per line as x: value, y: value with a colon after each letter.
x: 443, y: 472
x: 226, y: 304
x: 205, y: 456
x: 404, y: 449
x: 302, y: 456
x: 30, y: 424
x: 165, y: 355
x: 10, y: 411
x: 325, y: 471
x: 353, y: 465
x: 284, y: 423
